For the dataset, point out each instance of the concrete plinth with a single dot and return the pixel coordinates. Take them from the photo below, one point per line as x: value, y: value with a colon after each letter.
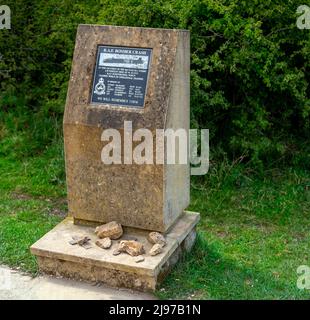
x: 56, y: 256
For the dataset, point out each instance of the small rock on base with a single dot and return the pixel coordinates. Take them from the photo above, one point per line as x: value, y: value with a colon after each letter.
x: 113, y: 230
x: 82, y: 241
x: 105, y: 243
x: 134, y: 248
x: 116, y: 252
x: 139, y: 259
x: 156, y: 237
x: 156, y: 249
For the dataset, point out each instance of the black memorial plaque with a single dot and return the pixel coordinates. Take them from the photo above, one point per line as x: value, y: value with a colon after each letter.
x: 120, y: 76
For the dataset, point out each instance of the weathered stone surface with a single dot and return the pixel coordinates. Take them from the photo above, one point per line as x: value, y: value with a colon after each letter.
x: 134, y: 248
x: 81, y: 241
x: 99, y: 192
x: 93, y: 273
x: 87, y: 245
x: 74, y: 241
x: 112, y: 230
x: 56, y: 256
x: 139, y: 259
x: 189, y: 242
x: 105, y: 243
x: 156, y: 249
x: 156, y: 237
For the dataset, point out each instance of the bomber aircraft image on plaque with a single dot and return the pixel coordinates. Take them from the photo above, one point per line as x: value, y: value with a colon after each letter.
x: 120, y: 76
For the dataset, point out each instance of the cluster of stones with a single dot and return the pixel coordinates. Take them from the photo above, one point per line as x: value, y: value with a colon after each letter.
x: 113, y: 231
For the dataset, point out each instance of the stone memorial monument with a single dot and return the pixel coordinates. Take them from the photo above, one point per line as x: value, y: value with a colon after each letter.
x: 121, y: 76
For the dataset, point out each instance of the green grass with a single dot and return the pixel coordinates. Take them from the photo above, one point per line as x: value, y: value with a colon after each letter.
x: 253, y: 234
x: 32, y: 201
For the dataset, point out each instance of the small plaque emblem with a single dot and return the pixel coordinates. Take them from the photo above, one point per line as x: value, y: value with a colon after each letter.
x: 100, y: 87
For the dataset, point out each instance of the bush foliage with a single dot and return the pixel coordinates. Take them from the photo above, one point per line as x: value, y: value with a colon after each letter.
x: 249, y: 62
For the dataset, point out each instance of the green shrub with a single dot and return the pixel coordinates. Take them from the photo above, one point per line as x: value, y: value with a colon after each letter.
x: 249, y: 61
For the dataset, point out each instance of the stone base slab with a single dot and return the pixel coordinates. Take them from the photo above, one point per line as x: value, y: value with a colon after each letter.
x: 56, y: 256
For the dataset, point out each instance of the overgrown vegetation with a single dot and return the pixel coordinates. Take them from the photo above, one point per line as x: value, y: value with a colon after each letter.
x: 249, y: 86
x: 250, y: 69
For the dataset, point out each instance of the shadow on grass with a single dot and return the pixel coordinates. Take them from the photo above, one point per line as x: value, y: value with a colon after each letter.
x: 206, y: 274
